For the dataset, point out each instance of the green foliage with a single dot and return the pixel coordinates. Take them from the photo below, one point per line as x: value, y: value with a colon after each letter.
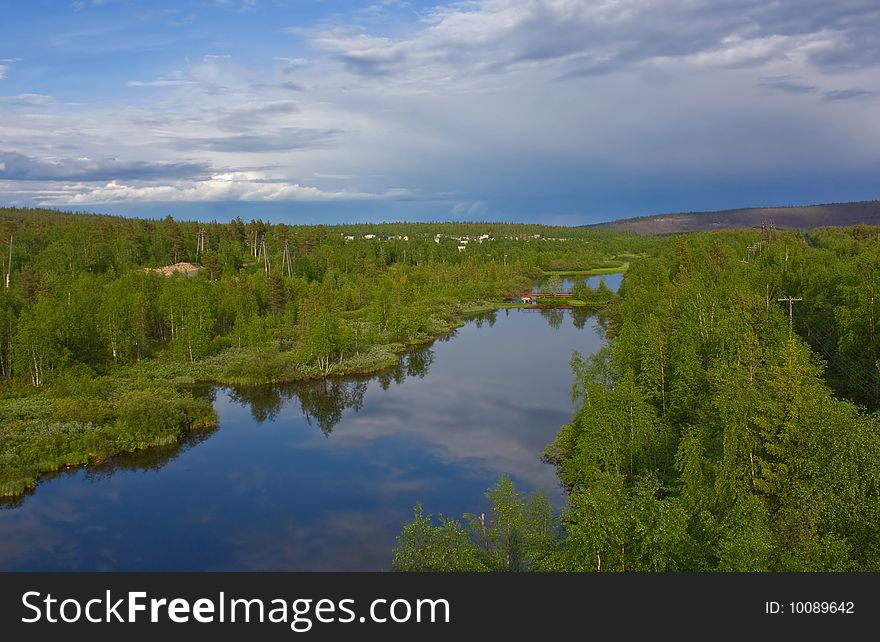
x: 39, y: 434
x: 86, y: 304
x: 426, y: 546
x: 708, y: 435
x: 514, y: 534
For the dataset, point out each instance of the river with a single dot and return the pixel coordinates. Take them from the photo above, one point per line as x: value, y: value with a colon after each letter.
x: 321, y: 475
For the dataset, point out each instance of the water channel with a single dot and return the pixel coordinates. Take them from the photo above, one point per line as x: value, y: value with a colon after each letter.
x: 321, y: 475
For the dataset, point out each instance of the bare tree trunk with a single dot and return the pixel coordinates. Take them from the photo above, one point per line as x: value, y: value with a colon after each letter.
x: 9, y: 268
x: 36, y: 378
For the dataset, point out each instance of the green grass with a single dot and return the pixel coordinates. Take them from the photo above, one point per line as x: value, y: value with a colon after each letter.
x: 617, y: 269
x: 42, y: 433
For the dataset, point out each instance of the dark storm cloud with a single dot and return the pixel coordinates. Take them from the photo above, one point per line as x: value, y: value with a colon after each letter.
x: 16, y: 166
x: 848, y: 94
x: 787, y: 84
x: 373, y: 64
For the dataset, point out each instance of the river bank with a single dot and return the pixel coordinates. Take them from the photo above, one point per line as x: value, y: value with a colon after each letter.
x: 318, y: 474
x: 85, y: 418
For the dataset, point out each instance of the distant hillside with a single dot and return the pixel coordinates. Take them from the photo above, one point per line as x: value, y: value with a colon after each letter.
x: 800, y: 217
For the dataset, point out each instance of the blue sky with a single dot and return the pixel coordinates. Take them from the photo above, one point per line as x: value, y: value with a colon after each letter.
x: 557, y: 111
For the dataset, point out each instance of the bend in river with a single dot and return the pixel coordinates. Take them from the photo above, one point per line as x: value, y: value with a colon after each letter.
x: 321, y: 475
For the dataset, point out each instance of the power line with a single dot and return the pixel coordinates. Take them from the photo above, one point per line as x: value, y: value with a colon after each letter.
x: 791, y: 301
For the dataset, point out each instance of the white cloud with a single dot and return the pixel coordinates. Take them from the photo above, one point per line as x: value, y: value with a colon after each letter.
x: 161, y: 82
x: 27, y: 99
x: 229, y: 186
x: 475, y: 102
x: 5, y: 64
x: 581, y: 38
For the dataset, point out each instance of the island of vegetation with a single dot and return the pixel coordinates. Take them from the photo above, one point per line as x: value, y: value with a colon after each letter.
x: 106, y: 321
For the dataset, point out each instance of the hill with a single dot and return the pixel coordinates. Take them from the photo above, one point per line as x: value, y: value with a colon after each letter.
x: 799, y: 217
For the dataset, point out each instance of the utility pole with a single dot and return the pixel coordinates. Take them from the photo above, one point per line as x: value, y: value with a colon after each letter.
x: 791, y: 301
x: 286, y: 263
x: 265, y: 254
x: 753, y: 250
x: 9, y: 269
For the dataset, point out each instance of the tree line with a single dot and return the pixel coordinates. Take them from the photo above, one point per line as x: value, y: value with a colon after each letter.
x: 88, y: 317
x: 714, y: 432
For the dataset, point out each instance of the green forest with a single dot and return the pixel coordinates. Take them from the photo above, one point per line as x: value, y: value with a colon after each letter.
x: 100, y: 336
x: 729, y: 425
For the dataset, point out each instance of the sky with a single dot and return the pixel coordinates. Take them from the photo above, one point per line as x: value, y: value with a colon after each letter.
x: 553, y: 111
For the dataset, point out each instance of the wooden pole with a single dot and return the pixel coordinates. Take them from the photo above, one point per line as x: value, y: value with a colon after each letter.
x: 9, y: 269
x: 791, y: 301
x: 285, y: 259
x: 265, y: 254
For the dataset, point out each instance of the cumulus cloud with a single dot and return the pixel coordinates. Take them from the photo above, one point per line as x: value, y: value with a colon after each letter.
x: 229, y: 186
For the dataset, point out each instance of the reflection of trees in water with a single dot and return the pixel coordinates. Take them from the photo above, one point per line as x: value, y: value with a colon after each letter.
x: 321, y: 401
x: 418, y: 362
x: 449, y: 336
x: 554, y: 316
x: 152, y: 458
x: 415, y: 363
x: 16, y: 501
x: 325, y: 400
x: 486, y: 317
x: 579, y: 317
x: 265, y: 402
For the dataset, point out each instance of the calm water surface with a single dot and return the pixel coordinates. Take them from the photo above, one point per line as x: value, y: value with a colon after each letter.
x: 320, y: 476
